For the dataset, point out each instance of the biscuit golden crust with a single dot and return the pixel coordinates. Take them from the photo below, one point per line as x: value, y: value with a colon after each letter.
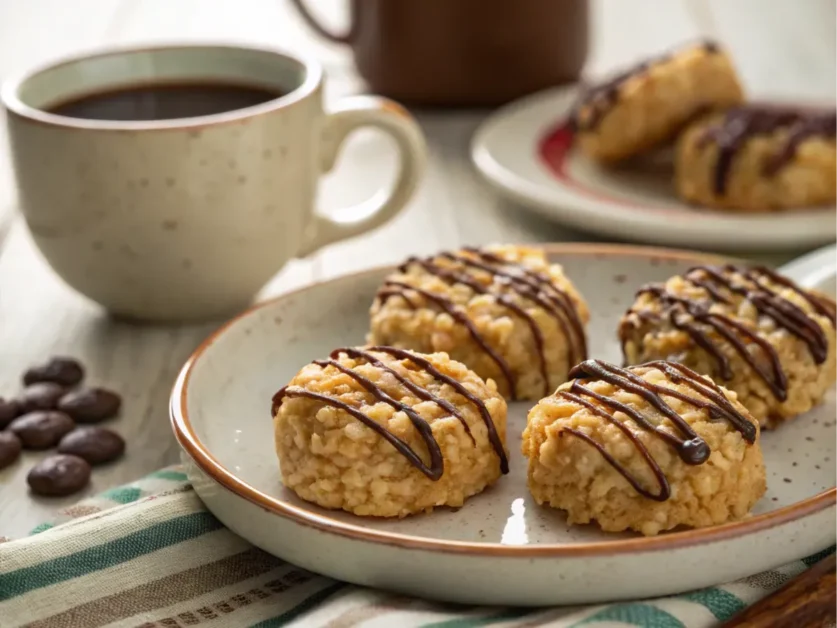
x: 750, y: 329
x: 504, y: 311
x: 648, y: 448
x: 388, y: 433
x: 757, y: 159
x: 647, y: 105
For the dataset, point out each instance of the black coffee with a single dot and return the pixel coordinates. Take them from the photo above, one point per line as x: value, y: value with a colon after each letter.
x: 164, y: 101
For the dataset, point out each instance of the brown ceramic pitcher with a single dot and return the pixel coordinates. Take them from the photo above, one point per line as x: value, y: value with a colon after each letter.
x: 463, y: 52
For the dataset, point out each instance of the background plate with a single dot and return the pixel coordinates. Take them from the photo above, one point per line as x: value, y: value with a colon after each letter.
x: 635, y: 202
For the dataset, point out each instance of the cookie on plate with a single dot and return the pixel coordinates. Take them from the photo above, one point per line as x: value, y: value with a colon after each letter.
x: 504, y: 311
x: 748, y: 328
x: 385, y: 432
x: 756, y: 158
x: 648, y: 448
x: 648, y: 104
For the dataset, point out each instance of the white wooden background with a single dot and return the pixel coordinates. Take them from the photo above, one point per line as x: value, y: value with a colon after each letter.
x: 782, y: 47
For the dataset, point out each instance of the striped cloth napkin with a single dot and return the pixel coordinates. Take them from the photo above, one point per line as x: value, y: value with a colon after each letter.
x: 148, y: 554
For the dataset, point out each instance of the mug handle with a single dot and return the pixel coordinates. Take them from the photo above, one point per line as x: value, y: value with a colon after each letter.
x: 350, y: 114
x: 314, y: 23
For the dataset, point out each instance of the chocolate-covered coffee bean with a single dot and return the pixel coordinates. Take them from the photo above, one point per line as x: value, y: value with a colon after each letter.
x: 95, y: 444
x: 59, y: 370
x: 59, y: 475
x: 10, y: 447
x: 41, y: 396
x: 90, y: 405
x: 9, y: 410
x: 42, y: 429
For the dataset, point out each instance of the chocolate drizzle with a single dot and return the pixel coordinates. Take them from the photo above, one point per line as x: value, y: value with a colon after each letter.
x: 601, y: 98
x: 690, y: 447
x: 453, y: 277
x: 695, y: 316
x: 538, y: 288
x: 741, y: 124
x: 418, y: 391
x: 392, y: 288
x: 435, y: 469
x: 519, y: 281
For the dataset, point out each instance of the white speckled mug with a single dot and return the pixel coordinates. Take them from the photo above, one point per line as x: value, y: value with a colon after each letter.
x: 183, y: 219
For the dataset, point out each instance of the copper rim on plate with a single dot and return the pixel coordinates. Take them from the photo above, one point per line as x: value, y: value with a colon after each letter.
x: 188, y: 440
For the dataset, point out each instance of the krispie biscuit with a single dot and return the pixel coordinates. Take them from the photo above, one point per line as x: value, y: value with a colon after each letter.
x: 759, y: 159
x: 750, y: 329
x: 504, y: 311
x: 649, y: 448
x: 648, y: 104
x: 385, y: 432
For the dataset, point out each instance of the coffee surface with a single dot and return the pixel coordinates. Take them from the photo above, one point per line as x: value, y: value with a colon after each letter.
x: 164, y: 101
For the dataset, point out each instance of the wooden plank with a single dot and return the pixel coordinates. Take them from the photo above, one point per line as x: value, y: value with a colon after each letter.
x: 624, y: 32
x: 481, y: 215
x: 782, y: 49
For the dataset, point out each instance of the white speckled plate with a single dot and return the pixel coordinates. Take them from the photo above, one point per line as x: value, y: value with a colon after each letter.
x: 500, y: 548
x: 524, y: 151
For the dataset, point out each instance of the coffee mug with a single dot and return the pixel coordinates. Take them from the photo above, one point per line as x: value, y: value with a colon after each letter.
x: 170, y: 183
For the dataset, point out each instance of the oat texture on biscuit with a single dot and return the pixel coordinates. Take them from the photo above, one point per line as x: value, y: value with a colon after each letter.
x: 385, y: 432
x: 750, y: 329
x: 756, y: 158
x: 649, y: 448
x: 649, y: 104
x: 504, y: 311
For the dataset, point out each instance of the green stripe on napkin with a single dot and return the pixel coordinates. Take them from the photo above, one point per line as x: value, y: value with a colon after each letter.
x: 636, y: 615
x: 99, y: 557
x: 124, y: 495
x: 719, y: 602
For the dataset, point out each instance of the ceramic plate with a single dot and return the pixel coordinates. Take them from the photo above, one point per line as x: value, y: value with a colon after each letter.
x: 500, y: 548
x: 525, y: 151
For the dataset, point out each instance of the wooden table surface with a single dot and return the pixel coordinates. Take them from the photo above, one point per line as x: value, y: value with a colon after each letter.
x: 781, y: 47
